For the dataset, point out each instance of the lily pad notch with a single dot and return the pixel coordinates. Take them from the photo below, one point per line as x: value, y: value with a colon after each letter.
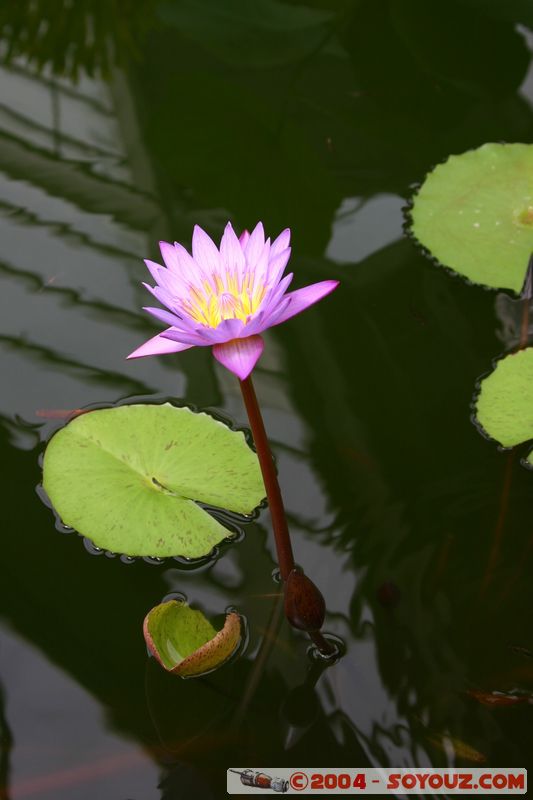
x: 474, y: 214
x: 130, y: 478
x: 185, y: 643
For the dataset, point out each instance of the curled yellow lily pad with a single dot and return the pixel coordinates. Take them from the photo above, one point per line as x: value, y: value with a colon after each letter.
x: 184, y: 641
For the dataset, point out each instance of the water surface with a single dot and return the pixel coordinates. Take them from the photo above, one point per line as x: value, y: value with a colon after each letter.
x: 417, y: 530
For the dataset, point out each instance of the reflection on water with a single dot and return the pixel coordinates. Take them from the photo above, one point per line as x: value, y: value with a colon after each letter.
x: 323, y: 126
x: 41, y: 698
x: 364, y: 225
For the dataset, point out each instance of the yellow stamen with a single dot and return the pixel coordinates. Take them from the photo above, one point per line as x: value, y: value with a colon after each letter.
x: 223, y: 298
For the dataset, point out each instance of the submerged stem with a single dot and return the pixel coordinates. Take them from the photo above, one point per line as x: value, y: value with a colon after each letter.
x: 303, y: 601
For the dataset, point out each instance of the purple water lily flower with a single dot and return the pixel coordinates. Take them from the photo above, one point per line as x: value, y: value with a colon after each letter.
x: 225, y: 298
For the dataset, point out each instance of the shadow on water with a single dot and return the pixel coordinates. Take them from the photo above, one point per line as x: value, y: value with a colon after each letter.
x: 319, y: 118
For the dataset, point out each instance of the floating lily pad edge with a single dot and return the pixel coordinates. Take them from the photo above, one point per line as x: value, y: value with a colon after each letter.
x: 407, y: 229
x: 232, y: 521
x: 474, y: 401
x: 409, y: 223
x: 56, y: 424
x: 182, y: 562
x: 525, y: 460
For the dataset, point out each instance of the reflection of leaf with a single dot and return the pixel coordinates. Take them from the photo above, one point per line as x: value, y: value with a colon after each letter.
x: 54, y: 360
x: 77, y: 182
x: 504, y: 407
x: 185, y: 643
x: 122, y: 598
x: 265, y: 33
x: 474, y: 213
x: 392, y: 91
x: 127, y: 478
x: 228, y: 145
x: 71, y: 37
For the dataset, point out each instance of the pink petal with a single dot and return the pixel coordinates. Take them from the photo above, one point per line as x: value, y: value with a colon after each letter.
x: 204, y: 251
x: 158, y: 346
x: 303, y: 298
x: 239, y: 355
x: 172, y: 283
x: 243, y: 238
x: 162, y: 295
x: 226, y: 330
x: 188, y: 269
x: 267, y: 318
x: 281, y: 243
x: 272, y: 316
x: 275, y: 293
x: 231, y: 251
x: 273, y: 304
x: 193, y: 338
x: 253, y: 325
x: 170, y: 257
x: 276, y: 266
x: 259, y: 269
x: 176, y: 321
x: 255, y: 245
x: 180, y: 265
x: 153, y: 268
x: 162, y: 315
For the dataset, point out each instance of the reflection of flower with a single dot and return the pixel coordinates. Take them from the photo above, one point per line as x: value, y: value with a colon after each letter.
x: 225, y: 298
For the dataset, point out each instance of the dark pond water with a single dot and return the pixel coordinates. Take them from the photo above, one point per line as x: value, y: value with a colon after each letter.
x: 418, y: 531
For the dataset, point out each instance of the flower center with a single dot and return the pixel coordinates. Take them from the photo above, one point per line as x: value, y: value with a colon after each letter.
x: 224, y: 298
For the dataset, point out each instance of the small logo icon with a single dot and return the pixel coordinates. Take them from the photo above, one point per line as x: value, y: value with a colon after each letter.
x: 250, y: 777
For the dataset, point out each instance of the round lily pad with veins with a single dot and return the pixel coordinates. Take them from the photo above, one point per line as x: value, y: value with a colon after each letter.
x: 474, y: 214
x: 130, y: 478
x: 504, y: 406
x: 184, y: 641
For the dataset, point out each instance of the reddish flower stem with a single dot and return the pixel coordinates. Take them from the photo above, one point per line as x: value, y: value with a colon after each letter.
x: 266, y: 462
x: 309, y: 595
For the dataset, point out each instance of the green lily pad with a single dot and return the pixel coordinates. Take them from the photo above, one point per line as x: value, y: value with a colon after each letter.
x: 474, y: 214
x: 185, y: 643
x: 504, y: 406
x: 128, y: 477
